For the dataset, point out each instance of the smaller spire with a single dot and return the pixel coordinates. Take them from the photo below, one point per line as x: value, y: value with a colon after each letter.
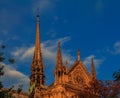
x: 59, y: 56
x: 58, y: 45
x: 66, y: 63
x: 67, y: 66
x: 59, y: 66
x: 93, y: 73
x: 78, y: 55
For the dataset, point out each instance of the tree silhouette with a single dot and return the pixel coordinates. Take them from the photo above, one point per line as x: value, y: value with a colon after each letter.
x: 4, y: 93
x: 116, y: 75
x: 102, y: 89
x: 2, y: 58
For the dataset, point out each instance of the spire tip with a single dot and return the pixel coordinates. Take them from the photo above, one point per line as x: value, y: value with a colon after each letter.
x: 38, y: 11
x: 59, y: 44
x: 78, y: 54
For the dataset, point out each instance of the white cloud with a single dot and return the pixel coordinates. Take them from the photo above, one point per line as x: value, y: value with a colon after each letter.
x: 12, y: 77
x: 28, y: 53
x: 49, y: 50
x: 63, y: 40
x: 18, y: 52
x: 54, y: 42
x: 23, y: 53
x: 88, y: 60
x: 116, y: 49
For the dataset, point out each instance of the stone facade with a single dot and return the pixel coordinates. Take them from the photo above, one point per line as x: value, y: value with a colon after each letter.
x: 69, y: 82
x: 19, y: 95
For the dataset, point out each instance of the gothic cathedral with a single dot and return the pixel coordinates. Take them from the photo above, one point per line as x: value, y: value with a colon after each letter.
x: 69, y: 83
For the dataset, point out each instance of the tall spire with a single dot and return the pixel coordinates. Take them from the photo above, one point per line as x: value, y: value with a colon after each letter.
x: 78, y: 55
x: 93, y: 73
x: 37, y: 52
x: 59, y: 57
x: 59, y: 68
x: 37, y: 68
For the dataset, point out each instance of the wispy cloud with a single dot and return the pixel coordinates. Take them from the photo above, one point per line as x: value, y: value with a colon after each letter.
x: 23, y: 53
x: 49, y: 50
x: 115, y: 49
x: 44, y: 5
x: 12, y: 77
x: 88, y: 60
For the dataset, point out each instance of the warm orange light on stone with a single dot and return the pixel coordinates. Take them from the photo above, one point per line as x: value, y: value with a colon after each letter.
x: 69, y: 83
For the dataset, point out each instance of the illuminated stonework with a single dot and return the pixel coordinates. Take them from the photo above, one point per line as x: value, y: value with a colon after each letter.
x: 69, y: 83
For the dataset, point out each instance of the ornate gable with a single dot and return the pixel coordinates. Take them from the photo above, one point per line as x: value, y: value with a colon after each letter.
x: 78, y: 74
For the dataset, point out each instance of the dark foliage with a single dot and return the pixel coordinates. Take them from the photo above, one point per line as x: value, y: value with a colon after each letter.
x: 12, y: 61
x: 4, y: 93
x: 1, y: 70
x: 3, y: 46
x: 116, y: 75
x: 103, y: 89
x: 19, y: 89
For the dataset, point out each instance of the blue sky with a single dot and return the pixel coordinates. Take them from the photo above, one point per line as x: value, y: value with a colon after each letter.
x: 93, y: 26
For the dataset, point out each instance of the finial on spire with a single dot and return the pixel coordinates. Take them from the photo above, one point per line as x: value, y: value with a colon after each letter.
x: 67, y: 66
x: 78, y: 55
x: 59, y: 56
x: 38, y: 11
x: 66, y: 63
x: 92, y: 61
x: 38, y: 16
x: 58, y: 44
